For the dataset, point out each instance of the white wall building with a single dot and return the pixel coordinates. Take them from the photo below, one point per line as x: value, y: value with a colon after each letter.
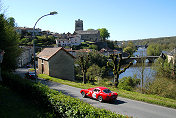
x: 73, y: 40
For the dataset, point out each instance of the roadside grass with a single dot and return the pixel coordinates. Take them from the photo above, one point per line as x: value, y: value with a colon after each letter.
x: 12, y: 105
x: 153, y: 99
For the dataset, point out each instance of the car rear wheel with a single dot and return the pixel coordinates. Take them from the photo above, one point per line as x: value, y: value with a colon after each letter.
x: 83, y: 94
x: 100, y: 98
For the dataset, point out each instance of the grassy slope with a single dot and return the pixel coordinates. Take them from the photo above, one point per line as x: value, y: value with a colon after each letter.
x: 12, y: 105
x: 154, y: 99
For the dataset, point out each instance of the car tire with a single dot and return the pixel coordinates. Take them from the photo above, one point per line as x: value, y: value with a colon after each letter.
x: 100, y: 98
x: 83, y: 94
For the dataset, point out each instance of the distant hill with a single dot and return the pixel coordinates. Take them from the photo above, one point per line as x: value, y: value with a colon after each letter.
x: 167, y: 43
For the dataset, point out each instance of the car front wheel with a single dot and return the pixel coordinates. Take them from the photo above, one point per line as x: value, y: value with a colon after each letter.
x: 100, y: 98
x: 83, y: 94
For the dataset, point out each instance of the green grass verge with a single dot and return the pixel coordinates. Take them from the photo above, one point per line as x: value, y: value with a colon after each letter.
x: 154, y: 99
x: 12, y: 105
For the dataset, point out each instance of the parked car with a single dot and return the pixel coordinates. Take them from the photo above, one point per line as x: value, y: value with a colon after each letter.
x: 99, y: 93
x: 31, y: 75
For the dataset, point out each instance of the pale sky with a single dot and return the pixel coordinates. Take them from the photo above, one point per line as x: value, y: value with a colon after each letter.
x: 124, y: 19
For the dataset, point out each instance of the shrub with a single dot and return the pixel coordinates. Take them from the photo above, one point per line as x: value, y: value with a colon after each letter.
x: 56, y: 102
x: 128, y: 83
x: 163, y: 87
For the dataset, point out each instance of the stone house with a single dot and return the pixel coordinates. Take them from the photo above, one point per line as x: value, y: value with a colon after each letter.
x: 56, y: 62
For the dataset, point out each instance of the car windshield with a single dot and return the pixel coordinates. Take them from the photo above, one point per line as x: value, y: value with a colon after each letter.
x: 107, y: 91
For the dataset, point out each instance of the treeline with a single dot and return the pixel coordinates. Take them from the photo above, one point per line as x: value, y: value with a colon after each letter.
x: 165, y: 43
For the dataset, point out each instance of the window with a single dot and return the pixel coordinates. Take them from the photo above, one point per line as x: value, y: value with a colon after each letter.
x: 107, y: 91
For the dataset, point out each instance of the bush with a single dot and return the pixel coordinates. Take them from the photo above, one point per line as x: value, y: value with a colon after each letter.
x: 56, y: 102
x: 128, y: 83
x: 163, y: 87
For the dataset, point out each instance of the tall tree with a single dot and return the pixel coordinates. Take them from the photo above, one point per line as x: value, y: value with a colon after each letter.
x: 104, y: 34
x: 9, y: 43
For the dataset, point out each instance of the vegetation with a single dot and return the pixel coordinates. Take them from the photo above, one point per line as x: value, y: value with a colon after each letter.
x: 83, y: 61
x: 154, y: 99
x: 130, y: 48
x: 117, y: 64
x: 94, y: 72
x: 9, y: 43
x: 14, y: 105
x: 57, y: 103
x: 128, y: 83
x: 40, y: 41
x: 164, y: 83
x: 166, y: 43
x: 104, y: 34
x: 88, y: 60
x: 154, y: 50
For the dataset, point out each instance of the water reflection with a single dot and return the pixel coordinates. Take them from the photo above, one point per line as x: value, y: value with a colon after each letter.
x: 136, y: 69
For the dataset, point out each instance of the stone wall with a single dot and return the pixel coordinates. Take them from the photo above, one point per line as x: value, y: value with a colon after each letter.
x: 61, y: 65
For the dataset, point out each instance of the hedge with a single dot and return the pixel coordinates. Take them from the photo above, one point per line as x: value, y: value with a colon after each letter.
x: 56, y: 102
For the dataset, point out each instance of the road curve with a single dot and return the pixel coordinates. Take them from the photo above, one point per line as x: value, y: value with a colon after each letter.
x: 123, y: 106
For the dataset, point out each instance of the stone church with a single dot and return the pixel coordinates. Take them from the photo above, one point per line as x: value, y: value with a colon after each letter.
x: 86, y: 35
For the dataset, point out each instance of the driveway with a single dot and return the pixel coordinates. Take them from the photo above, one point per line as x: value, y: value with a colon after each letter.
x: 123, y: 106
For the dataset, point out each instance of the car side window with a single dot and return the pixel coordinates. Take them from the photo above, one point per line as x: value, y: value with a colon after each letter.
x: 96, y: 90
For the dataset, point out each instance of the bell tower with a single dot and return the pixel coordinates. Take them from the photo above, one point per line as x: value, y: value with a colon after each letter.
x: 78, y: 25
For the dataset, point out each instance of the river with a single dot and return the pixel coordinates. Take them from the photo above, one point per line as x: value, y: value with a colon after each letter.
x: 136, y: 70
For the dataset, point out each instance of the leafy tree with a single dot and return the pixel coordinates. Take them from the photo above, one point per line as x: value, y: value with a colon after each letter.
x: 154, y: 50
x: 9, y: 43
x: 128, y: 50
x: 104, y: 34
x: 164, y: 69
x: 97, y: 58
x: 11, y: 21
x: 93, y: 72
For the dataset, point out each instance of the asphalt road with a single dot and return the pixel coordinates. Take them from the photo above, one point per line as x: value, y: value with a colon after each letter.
x: 123, y: 106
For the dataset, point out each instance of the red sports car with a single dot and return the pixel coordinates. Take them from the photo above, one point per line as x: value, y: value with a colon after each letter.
x: 99, y: 93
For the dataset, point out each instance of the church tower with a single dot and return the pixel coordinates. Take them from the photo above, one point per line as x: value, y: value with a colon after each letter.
x: 78, y: 25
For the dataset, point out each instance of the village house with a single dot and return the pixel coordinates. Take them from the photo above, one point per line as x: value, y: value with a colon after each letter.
x: 171, y: 56
x: 56, y: 62
x: 76, y: 53
x: 25, y: 31
x: 69, y: 41
x: 26, y: 56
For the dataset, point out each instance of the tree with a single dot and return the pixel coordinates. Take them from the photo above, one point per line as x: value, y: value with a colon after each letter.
x: 97, y: 58
x: 128, y: 50
x: 93, y: 72
x: 11, y: 21
x: 117, y: 64
x: 154, y: 50
x: 83, y: 62
x: 9, y: 43
x: 104, y: 34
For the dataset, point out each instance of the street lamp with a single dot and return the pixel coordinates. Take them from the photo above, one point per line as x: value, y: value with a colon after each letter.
x: 51, y: 13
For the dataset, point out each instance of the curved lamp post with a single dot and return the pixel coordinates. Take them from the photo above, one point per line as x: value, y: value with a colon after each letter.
x: 51, y: 13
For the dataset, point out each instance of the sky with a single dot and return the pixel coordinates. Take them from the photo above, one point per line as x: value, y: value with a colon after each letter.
x: 124, y: 19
